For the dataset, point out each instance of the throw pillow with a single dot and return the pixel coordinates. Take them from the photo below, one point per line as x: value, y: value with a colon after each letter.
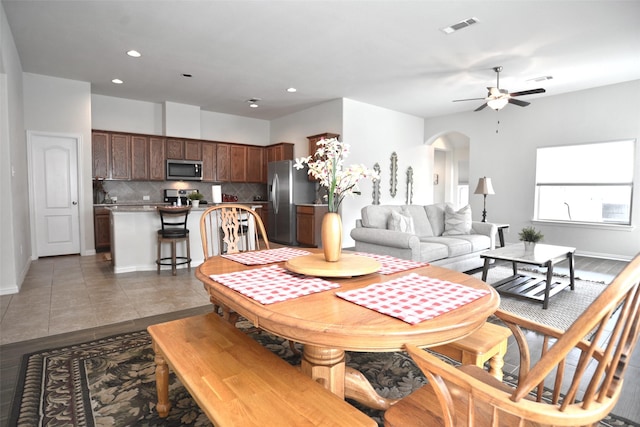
x: 399, y: 222
x: 456, y: 223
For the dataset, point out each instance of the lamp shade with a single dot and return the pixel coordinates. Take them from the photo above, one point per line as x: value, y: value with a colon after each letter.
x: 484, y: 186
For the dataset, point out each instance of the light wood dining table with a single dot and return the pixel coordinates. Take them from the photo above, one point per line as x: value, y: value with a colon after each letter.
x: 328, y: 325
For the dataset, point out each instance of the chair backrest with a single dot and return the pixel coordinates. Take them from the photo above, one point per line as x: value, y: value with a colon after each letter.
x: 173, y: 221
x: 599, y: 343
x: 231, y: 228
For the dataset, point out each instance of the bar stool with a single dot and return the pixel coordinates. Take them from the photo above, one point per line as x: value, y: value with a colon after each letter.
x: 174, y: 229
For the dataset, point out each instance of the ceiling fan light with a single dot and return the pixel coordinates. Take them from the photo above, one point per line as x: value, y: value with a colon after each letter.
x: 497, y: 104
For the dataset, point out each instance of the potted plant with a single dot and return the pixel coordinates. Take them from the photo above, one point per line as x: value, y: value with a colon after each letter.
x: 195, y: 198
x: 326, y: 165
x: 530, y: 236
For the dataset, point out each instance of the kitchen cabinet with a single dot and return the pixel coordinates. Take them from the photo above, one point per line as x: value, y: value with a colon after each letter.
x: 102, y: 229
x: 209, y: 162
x: 120, y: 156
x: 281, y: 151
x: 313, y: 140
x: 238, y: 160
x: 175, y: 149
x: 223, y: 160
x: 139, y: 158
x: 193, y: 150
x: 313, y: 146
x: 180, y: 149
x: 309, y: 224
x: 255, y: 165
x: 275, y: 153
x: 156, y: 159
x: 101, y: 154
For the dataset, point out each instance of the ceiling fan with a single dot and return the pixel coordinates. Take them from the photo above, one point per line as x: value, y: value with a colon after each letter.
x: 498, y: 98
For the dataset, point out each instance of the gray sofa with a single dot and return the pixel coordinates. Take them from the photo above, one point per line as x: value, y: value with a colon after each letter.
x: 456, y: 250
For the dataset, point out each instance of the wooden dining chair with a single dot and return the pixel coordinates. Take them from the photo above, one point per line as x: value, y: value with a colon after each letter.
x: 228, y: 229
x: 231, y: 228
x: 576, y: 382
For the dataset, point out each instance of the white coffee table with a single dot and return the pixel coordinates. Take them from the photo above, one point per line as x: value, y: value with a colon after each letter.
x: 524, y: 286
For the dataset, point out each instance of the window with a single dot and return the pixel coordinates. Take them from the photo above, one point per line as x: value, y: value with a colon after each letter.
x: 587, y: 183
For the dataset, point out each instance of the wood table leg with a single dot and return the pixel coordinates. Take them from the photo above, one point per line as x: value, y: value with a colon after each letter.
x: 162, y: 383
x: 358, y: 388
x: 327, y: 366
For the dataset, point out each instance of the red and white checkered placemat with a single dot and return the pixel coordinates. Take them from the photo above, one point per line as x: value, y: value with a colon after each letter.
x: 268, y: 256
x: 272, y: 284
x: 390, y: 265
x: 413, y: 298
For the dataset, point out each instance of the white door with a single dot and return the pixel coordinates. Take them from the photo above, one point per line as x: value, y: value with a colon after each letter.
x: 54, y: 174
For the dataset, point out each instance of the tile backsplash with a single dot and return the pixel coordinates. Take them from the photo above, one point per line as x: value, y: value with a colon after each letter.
x: 134, y: 191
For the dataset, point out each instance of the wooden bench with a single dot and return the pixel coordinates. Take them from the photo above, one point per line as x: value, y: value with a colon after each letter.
x: 238, y: 382
x: 487, y: 343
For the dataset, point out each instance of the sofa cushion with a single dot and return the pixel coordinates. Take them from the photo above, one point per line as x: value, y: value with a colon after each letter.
x: 400, y: 222
x: 376, y: 216
x: 432, y: 251
x: 435, y: 213
x: 457, y: 222
x: 479, y: 242
x: 455, y: 246
x: 420, y: 220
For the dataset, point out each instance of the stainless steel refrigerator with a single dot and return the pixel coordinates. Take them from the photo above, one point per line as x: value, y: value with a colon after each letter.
x: 287, y: 187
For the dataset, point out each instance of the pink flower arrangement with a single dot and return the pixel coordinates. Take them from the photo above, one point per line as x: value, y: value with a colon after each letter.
x: 327, y: 166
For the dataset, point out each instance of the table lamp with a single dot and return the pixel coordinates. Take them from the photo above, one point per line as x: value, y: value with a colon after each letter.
x: 484, y: 187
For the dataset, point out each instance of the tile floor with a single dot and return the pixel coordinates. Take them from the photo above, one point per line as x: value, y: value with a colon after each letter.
x: 70, y: 293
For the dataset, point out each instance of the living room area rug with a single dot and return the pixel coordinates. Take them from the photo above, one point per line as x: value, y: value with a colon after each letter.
x: 564, y: 308
x: 111, y: 382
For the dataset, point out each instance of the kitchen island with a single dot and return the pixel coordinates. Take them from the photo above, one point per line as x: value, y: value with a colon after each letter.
x: 134, y: 237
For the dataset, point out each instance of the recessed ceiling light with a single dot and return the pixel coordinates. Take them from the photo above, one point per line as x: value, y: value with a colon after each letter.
x: 253, y: 102
x: 460, y: 25
x: 292, y: 90
x: 117, y: 81
x: 134, y: 54
x: 187, y: 75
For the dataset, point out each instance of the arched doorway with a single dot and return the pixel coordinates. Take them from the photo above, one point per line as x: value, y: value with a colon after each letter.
x: 450, y: 168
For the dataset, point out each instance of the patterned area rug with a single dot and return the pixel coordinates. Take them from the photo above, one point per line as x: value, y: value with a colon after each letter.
x: 564, y: 307
x: 111, y: 382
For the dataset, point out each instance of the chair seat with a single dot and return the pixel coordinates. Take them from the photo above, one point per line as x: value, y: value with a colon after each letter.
x: 173, y: 234
x: 174, y: 230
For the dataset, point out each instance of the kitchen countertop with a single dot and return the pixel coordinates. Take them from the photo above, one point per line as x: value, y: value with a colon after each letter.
x: 151, y: 207
x: 311, y: 204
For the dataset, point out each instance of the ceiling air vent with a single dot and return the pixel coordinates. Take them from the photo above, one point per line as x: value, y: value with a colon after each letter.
x: 460, y: 25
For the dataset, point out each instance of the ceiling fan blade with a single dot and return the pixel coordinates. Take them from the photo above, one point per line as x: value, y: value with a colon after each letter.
x: 518, y: 102
x: 481, y: 107
x: 469, y: 99
x: 528, y: 92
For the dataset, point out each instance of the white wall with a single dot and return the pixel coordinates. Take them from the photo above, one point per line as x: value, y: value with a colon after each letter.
x: 63, y: 106
x: 128, y: 115
x: 374, y: 133
x: 296, y: 127
x: 125, y: 115
x: 230, y: 128
x: 15, y: 236
x: 508, y: 157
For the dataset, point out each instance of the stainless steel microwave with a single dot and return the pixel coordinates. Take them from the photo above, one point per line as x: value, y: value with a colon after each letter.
x: 184, y: 170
